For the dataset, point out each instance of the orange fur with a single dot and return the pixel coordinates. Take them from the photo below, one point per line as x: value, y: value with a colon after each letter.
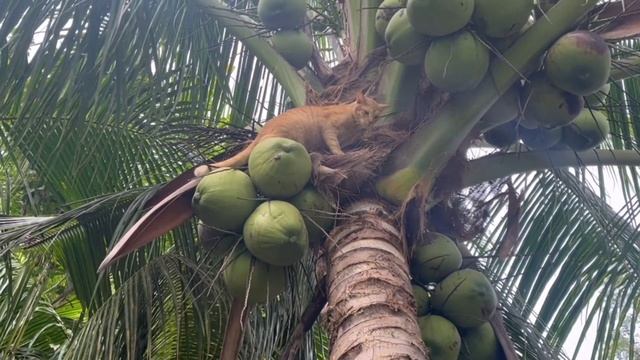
x: 318, y: 128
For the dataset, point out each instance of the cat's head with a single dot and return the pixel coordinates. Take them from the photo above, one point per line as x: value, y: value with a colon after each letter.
x: 367, y: 110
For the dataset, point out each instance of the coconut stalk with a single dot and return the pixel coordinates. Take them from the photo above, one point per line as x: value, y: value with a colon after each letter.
x: 399, y: 86
x: 501, y: 165
x: 498, y: 166
x: 371, y: 307
x: 433, y: 144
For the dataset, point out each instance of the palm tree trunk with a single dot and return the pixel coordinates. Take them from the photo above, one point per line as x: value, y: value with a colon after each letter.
x: 371, y: 308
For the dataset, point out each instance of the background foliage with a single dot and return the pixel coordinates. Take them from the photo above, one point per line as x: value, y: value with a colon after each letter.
x: 103, y: 101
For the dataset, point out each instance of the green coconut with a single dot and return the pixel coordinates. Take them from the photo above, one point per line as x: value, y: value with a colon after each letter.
x: 437, y: 257
x: 317, y: 212
x: 540, y: 138
x: 282, y: 14
x: 246, y: 276
x: 215, y: 241
x: 385, y: 12
x: 275, y: 233
x: 457, y: 62
x: 224, y: 199
x: 440, y: 336
x: 404, y: 44
x: 294, y: 46
x: 465, y: 297
x: 600, y: 97
x: 499, y: 18
x: 422, y: 299
x: 548, y: 106
x: 588, y: 130
x: 503, y: 135
x: 439, y: 17
x: 480, y: 343
x: 579, y: 62
x: 279, y: 167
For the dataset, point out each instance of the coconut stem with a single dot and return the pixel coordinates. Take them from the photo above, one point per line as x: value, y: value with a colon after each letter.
x: 435, y: 142
x: 497, y: 166
x: 399, y: 87
x: 242, y: 27
x: 235, y: 330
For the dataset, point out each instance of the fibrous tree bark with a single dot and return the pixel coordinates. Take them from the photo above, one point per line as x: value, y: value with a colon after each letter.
x: 371, y: 308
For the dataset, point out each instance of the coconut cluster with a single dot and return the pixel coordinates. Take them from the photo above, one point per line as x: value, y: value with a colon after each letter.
x: 560, y: 104
x: 454, y: 305
x: 262, y: 220
x: 455, y: 41
x: 286, y: 18
x: 449, y: 38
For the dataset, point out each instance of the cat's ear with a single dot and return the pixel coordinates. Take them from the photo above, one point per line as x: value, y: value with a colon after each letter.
x: 361, y: 98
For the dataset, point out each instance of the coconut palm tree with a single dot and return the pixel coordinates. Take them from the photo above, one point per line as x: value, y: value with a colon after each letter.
x: 104, y: 102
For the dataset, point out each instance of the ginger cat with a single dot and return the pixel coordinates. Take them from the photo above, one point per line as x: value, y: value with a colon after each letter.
x: 318, y: 128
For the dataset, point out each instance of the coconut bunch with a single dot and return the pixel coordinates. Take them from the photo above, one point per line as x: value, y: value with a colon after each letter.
x: 286, y: 18
x: 559, y: 107
x: 456, y: 41
x: 454, y: 305
x: 262, y: 220
x: 450, y: 38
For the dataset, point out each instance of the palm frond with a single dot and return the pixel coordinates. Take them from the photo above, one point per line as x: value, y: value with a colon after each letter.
x: 30, y: 327
x: 577, y: 257
x: 96, y: 99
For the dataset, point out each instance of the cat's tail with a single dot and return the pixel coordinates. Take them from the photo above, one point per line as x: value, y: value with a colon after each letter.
x: 238, y: 160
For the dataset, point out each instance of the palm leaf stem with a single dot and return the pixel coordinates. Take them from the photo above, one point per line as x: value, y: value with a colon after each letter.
x: 243, y: 28
x: 501, y: 165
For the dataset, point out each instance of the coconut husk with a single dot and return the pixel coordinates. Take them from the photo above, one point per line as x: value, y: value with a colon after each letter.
x: 351, y: 172
x: 350, y: 78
